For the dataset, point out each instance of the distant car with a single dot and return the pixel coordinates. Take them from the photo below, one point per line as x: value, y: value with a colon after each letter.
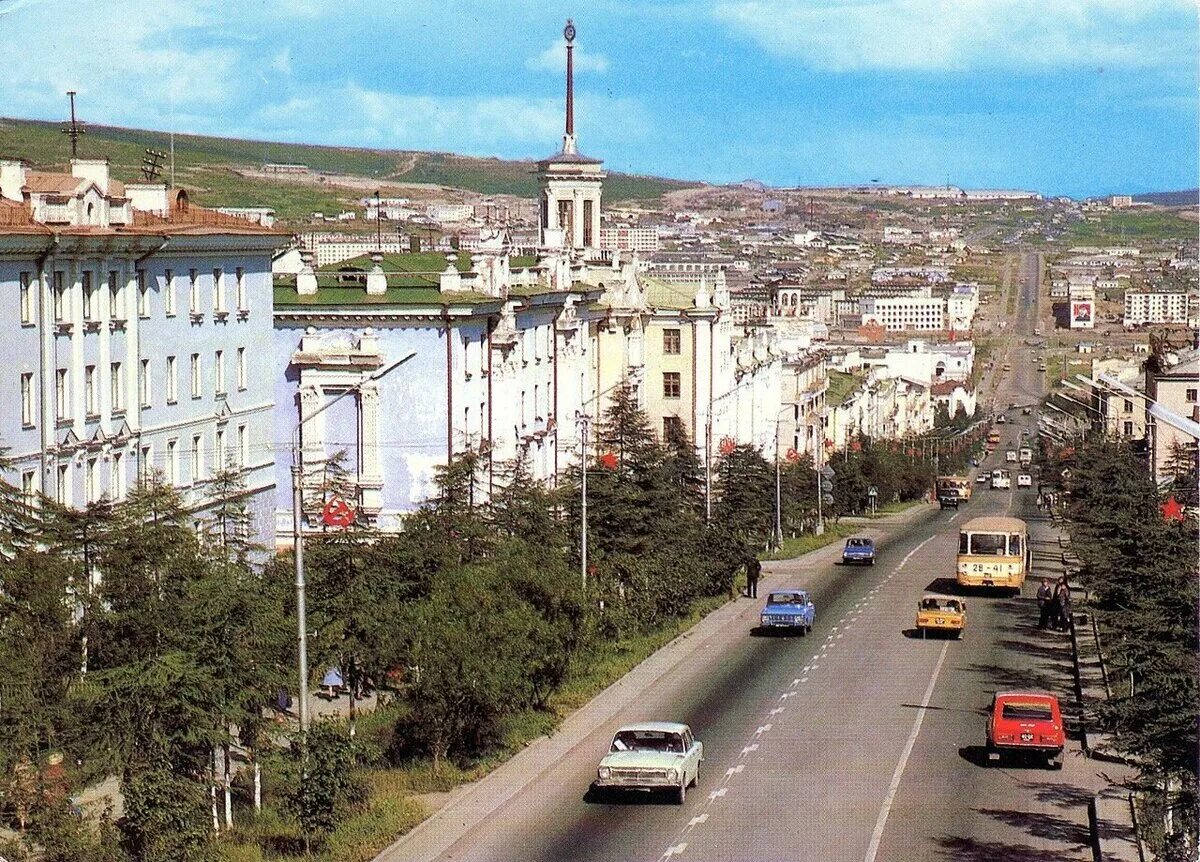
x: 1026, y: 723
x: 981, y: 479
x: 791, y: 610
x: 653, y: 755
x: 1024, y: 480
x: 948, y: 498
x: 937, y: 613
x: 1001, y: 419
x: 1027, y: 411
x: 1010, y: 456
x: 859, y: 550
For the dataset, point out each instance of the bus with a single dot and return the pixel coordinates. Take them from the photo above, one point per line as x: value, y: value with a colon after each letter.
x: 961, y: 483
x: 1001, y: 479
x: 993, y: 552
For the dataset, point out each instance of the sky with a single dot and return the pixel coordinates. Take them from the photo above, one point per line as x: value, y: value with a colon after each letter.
x: 1074, y: 97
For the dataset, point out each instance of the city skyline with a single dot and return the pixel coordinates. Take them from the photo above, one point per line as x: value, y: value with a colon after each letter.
x: 1097, y: 98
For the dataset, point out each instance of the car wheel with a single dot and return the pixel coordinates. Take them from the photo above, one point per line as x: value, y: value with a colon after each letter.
x: 872, y: 561
x: 1056, y: 762
x: 808, y: 628
x: 681, y: 794
x: 803, y: 630
x: 696, y: 777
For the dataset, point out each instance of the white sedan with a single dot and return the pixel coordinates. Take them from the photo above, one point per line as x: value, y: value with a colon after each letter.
x: 1024, y: 481
x: 653, y: 755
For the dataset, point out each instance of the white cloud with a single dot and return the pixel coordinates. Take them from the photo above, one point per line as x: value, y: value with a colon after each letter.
x: 844, y: 35
x: 554, y: 59
x: 282, y: 61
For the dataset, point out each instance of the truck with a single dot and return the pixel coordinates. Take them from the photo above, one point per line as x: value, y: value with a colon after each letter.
x: 1001, y: 479
x: 1026, y: 456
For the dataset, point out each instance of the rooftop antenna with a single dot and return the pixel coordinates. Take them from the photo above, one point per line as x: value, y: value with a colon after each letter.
x: 74, y: 130
x: 152, y: 163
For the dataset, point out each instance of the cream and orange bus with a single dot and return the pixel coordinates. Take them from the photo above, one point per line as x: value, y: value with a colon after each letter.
x: 993, y: 552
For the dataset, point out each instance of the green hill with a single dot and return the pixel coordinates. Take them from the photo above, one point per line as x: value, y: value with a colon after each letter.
x: 210, y: 166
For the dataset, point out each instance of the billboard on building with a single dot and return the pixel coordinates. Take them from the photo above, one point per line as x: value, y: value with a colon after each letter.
x: 1082, y: 314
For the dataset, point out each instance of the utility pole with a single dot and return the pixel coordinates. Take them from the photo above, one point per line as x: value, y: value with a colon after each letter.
x: 378, y: 223
x: 75, y: 130
x: 583, y: 419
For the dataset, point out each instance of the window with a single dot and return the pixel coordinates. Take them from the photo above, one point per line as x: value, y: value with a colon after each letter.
x: 1128, y: 406
x: 29, y: 487
x: 672, y: 428
x: 89, y: 299
x: 196, y: 383
x: 194, y: 291
x: 218, y: 290
x: 90, y: 396
x: 243, y: 302
x: 169, y: 293
x: 243, y: 444
x: 219, y: 462
x: 116, y: 481
x: 62, y: 396
x: 219, y: 361
x: 26, y: 299
x: 1128, y: 429
x: 671, y: 342
x: 62, y: 491
x: 172, y: 465
x: 116, y: 297
x: 144, y: 383
x: 27, y: 408
x: 241, y: 368
x: 671, y: 384
x: 116, y: 387
x: 91, y: 481
x: 146, y: 463
x: 197, y: 454
x: 1191, y: 396
x: 172, y: 381
x: 143, y: 294
x: 60, y: 297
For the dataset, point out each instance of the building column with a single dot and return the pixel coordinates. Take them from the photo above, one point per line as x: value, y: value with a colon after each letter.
x: 370, y: 469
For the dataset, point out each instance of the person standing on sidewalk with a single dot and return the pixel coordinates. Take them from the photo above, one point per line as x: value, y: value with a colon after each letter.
x: 753, y: 571
x: 1062, y: 601
x: 1045, y: 600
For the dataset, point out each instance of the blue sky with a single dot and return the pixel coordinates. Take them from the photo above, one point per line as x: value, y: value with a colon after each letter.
x: 1074, y: 97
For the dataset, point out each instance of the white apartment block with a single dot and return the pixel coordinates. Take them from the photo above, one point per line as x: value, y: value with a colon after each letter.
x: 904, y: 313
x: 634, y: 239
x: 1157, y: 307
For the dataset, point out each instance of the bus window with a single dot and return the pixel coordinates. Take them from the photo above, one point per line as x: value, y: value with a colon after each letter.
x: 962, y: 543
x: 989, y: 544
x: 1014, y: 545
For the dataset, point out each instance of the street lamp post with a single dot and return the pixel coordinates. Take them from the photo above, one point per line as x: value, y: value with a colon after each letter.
x: 298, y: 535
x: 583, y: 419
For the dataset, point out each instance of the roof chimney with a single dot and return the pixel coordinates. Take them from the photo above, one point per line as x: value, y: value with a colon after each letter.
x: 12, y: 179
x: 93, y: 170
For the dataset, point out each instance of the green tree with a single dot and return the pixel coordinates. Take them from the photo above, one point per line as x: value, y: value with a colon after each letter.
x: 331, y: 784
x: 746, y: 495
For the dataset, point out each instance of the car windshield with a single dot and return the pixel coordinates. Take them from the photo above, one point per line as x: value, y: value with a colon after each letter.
x: 786, y: 599
x: 858, y: 543
x: 648, y: 740
x: 988, y: 544
x: 1039, y: 711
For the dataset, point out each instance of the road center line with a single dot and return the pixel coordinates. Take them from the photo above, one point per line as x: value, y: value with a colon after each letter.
x: 877, y: 835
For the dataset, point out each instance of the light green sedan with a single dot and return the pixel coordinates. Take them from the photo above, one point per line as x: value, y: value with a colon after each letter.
x: 654, y: 755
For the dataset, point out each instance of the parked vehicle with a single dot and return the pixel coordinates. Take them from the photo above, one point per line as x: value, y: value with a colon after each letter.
x: 1026, y: 723
x: 859, y: 550
x: 993, y: 552
x: 944, y: 614
x: 790, y: 610
x: 653, y: 755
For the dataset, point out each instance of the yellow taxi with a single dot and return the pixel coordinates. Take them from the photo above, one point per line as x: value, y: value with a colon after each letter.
x: 947, y: 614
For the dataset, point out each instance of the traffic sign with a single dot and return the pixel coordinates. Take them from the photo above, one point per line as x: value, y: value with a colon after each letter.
x: 827, y: 472
x: 872, y: 491
x: 337, y: 512
x: 828, y: 498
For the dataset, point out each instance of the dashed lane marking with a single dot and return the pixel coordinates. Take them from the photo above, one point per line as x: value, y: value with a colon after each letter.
x: 749, y: 749
x: 733, y: 770
x: 677, y: 850
x: 717, y: 794
x: 697, y: 820
x: 804, y: 679
x: 777, y: 710
x: 765, y: 728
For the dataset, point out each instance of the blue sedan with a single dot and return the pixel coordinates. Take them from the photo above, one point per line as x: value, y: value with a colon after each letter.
x: 791, y: 610
x: 859, y: 550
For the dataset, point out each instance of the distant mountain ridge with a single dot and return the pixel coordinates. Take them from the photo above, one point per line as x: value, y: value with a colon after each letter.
x: 211, y: 164
x: 1185, y: 197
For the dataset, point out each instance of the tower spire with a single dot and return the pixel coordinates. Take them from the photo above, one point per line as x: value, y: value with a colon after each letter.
x: 569, y: 137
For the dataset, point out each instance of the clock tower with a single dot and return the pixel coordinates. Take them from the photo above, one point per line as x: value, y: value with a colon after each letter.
x: 569, y: 183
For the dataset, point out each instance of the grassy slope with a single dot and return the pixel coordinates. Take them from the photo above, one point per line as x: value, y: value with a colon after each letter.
x: 1127, y: 227
x: 205, y: 163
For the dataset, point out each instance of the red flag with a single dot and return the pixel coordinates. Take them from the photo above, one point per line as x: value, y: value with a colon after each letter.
x: 728, y: 444
x: 608, y: 461
x: 792, y: 455
x: 337, y: 512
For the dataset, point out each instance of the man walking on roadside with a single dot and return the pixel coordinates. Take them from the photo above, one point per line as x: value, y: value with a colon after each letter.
x: 753, y: 570
x: 1062, y: 601
x: 1045, y: 600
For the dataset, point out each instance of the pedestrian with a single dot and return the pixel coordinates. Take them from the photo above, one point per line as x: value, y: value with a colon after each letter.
x: 1062, y: 606
x: 1045, y: 596
x: 753, y: 570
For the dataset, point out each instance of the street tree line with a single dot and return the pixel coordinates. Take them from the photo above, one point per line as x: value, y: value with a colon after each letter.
x: 134, y: 645
x: 1140, y: 570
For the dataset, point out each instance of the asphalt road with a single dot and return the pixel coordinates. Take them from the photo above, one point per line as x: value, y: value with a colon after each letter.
x: 859, y: 742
